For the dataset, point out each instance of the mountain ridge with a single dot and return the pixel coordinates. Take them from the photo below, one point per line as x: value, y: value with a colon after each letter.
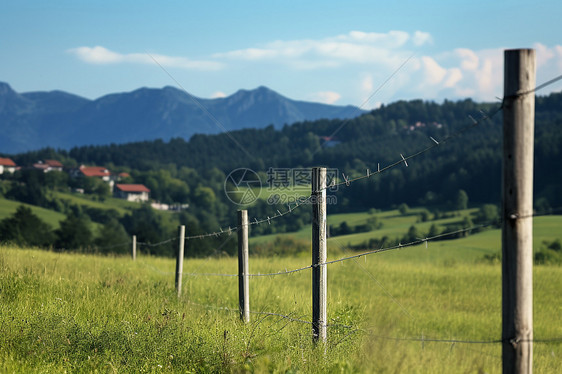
x: 57, y: 119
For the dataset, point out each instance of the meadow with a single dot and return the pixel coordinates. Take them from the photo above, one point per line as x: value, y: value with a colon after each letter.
x: 71, y: 312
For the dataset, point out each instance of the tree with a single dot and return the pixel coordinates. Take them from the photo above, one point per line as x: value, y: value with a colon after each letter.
x: 403, y: 208
x: 149, y: 228
x: 74, y: 232
x: 412, y: 235
x: 433, y: 231
x: 488, y: 213
x: 30, y: 188
x: 57, y: 180
x: 461, y: 200
x: 112, y: 238
x: 24, y: 228
x: 204, y: 197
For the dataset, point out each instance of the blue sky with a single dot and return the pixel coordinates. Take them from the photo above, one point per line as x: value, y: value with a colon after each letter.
x: 361, y: 53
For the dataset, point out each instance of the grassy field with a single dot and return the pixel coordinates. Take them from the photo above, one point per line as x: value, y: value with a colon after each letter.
x: 51, y: 217
x: 8, y: 207
x: 78, y: 313
x: 395, y: 225
x: 120, y: 205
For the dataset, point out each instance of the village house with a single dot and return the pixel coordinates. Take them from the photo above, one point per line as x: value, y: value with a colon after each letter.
x: 48, y: 165
x: 132, y: 192
x: 91, y: 171
x: 7, y: 165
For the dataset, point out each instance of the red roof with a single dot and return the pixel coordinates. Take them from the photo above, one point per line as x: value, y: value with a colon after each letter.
x: 95, y: 171
x: 132, y: 187
x: 7, y: 162
x: 40, y: 166
x: 53, y: 163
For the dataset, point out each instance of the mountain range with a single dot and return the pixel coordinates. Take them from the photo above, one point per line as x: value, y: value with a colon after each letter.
x: 34, y: 120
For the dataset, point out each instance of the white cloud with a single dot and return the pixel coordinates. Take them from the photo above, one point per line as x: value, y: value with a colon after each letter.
x: 326, y: 97
x: 354, y: 47
x: 392, y: 39
x: 558, y: 50
x: 218, y: 95
x: 469, y: 59
x: 356, y: 63
x: 543, y: 54
x: 103, y: 56
x: 97, y: 55
x: 421, y: 38
x: 433, y: 73
x: 367, y: 84
x: 453, y: 77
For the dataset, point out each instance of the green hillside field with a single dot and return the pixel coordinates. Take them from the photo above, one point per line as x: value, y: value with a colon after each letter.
x: 83, y: 313
x: 8, y: 207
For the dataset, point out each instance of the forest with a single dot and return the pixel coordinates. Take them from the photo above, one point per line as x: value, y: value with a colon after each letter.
x: 193, y: 171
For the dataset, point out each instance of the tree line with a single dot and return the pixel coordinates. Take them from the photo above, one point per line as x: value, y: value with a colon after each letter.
x: 194, y: 171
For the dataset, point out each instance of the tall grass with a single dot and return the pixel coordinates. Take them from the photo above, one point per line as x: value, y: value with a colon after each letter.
x: 81, y: 313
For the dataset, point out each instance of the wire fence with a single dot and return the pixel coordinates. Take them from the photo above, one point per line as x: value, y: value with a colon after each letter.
x: 347, y: 181
x: 371, y: 332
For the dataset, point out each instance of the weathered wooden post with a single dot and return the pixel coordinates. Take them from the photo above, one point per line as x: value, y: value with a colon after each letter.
x: 243, y: 266
x: 179, y: 261
x: 134, y: 249
x: 319, y: 244
x: 517, y: 211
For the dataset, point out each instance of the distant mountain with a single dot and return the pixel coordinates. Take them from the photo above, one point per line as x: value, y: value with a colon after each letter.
x: 57, y: 119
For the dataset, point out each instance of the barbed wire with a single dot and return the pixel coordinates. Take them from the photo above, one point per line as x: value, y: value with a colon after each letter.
x: 371, y: 275
x: 273, y: 314
x: 254, y: 221
x: 394, y: 247
x: 202, y: 107
x: 424, y: 339
x: 409, y: 244
x: 358, y: 109
x: 227, y: 309
x: 347, y: 181
x: 539, y: 87
x: 404, y: 159
x: 154, y: 268
x: 158, y: 243
x: 418, y: 241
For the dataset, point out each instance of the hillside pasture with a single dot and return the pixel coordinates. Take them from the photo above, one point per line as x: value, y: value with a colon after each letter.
x: 414, y: 310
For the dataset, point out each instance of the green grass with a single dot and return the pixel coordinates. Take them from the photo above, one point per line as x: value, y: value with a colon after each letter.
x: 83, y: 313
x: 394, y: 226
x: 80, y: 313
x: 9, y: 207
x: 120, y: 205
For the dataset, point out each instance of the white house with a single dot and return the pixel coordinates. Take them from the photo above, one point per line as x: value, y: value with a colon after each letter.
x: 7, y: 165
x: 48, y: 165
x: 132, y: 192
x: 91, y: 171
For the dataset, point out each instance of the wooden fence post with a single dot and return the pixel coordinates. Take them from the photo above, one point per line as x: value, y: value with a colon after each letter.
x: 517, y: 211
x: 319, y: 269
x: 134, y: 249
x: 179, y: 261
x: 243, y: 266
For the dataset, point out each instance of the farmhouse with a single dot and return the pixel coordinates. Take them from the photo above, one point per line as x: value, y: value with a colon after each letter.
x: 132, y: 192
x: 91, y: 171
x: 48, y: 165
x: 7, y: 165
